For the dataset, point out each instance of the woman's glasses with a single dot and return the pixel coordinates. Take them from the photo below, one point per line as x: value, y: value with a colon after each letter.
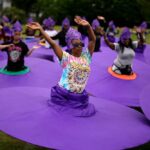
x: 78, y: 45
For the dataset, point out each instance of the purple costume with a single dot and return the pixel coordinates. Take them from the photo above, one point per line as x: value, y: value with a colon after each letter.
x: 69, y: 95
x: 141, y: 47
x: 17, y: 27
x: 96, y: 28
x: 111, y: 32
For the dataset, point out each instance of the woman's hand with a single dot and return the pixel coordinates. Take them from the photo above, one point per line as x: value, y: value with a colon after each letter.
x: 100, y: 17
x: 10, y: 45
x: 138, y: 30
x: 36, y: 47
x: 102, y: 32
x: 6, y: 46
x: 81, y: 21
x: 34, y: 26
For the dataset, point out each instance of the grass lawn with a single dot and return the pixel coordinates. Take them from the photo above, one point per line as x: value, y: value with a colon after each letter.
x: 10, y: 143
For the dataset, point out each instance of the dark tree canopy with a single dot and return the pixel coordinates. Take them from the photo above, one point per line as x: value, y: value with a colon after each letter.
x: 123, y: 12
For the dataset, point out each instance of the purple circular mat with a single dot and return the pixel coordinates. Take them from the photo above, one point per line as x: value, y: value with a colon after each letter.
x: 103, y: 43
x: 42, y: 73
x: 41, y: 52
x: 147, y: 54
x: 3, y: 56
x: 145, y: 101
x: 24, y: 114
x: 111, y: 88
x: 142, y: 56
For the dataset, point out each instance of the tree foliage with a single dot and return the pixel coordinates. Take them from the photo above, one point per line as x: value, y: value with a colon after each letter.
x: 124, y: 12
x: 14, y: 13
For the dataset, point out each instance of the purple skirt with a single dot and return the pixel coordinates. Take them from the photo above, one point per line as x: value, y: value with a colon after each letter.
x: 111, y: 38
x: 71, y: 103
x: 140, y: 48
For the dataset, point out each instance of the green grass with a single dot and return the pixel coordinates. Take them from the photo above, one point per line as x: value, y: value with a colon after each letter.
x: 148, y: 39
x: 142, y: 147
x: 9, y: 143
x: 134, y: 37
x: 58, y: 28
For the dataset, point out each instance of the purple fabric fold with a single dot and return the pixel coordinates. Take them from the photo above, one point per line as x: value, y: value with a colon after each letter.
x: 71, y: 103
x: 111, y: 38
x: 126, y: 34
x: 140, y: 48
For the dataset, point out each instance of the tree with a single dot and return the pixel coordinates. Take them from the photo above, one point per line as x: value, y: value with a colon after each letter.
x: 124, y: 12
x: 25, y: 5
x: 145, y: 6
x: 19, y: 14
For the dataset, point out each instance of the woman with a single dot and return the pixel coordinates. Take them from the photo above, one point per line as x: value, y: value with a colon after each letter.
x: 70, y: 95
x: 61, y: 34
x: 29, y: 33
x: 125, y: 50
x: 143, y: 28
x: 49, y: 24
x: 18, y: 51
x: 7, y: 34
x: 111, y: 32
x: 98, y: 33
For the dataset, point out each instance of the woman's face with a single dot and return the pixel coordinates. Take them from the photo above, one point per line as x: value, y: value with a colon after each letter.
x: 143, y: 30
x: 98, y: 29
x: 66, y: 27
x: 7, y: 38
x: 125, y: 41
x: 77, y: 47
x: 17, y: 36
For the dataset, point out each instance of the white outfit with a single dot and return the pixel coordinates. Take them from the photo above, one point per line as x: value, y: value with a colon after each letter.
x: 124, y: 58
x: 51, y: 33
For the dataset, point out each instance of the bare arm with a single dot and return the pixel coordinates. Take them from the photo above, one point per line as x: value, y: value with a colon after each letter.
x: 102, y: 22
x: 57, y: 49
x: 5, y: 46
x: 92, y: 38
x: 32, y: 49
x: 110, y: 44
x: 141, y: 39
x: 30, y: 52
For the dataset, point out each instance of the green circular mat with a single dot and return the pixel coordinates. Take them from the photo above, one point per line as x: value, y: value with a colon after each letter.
x: 13, y: 73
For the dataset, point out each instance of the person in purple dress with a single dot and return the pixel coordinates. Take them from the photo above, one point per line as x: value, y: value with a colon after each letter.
x: 29, y: 32
x: 61, y: 34
x: 69, y: 95
x: 143, y: 29
x: 125, y: 49
x: 111, y: 31
x: 17, y: 52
